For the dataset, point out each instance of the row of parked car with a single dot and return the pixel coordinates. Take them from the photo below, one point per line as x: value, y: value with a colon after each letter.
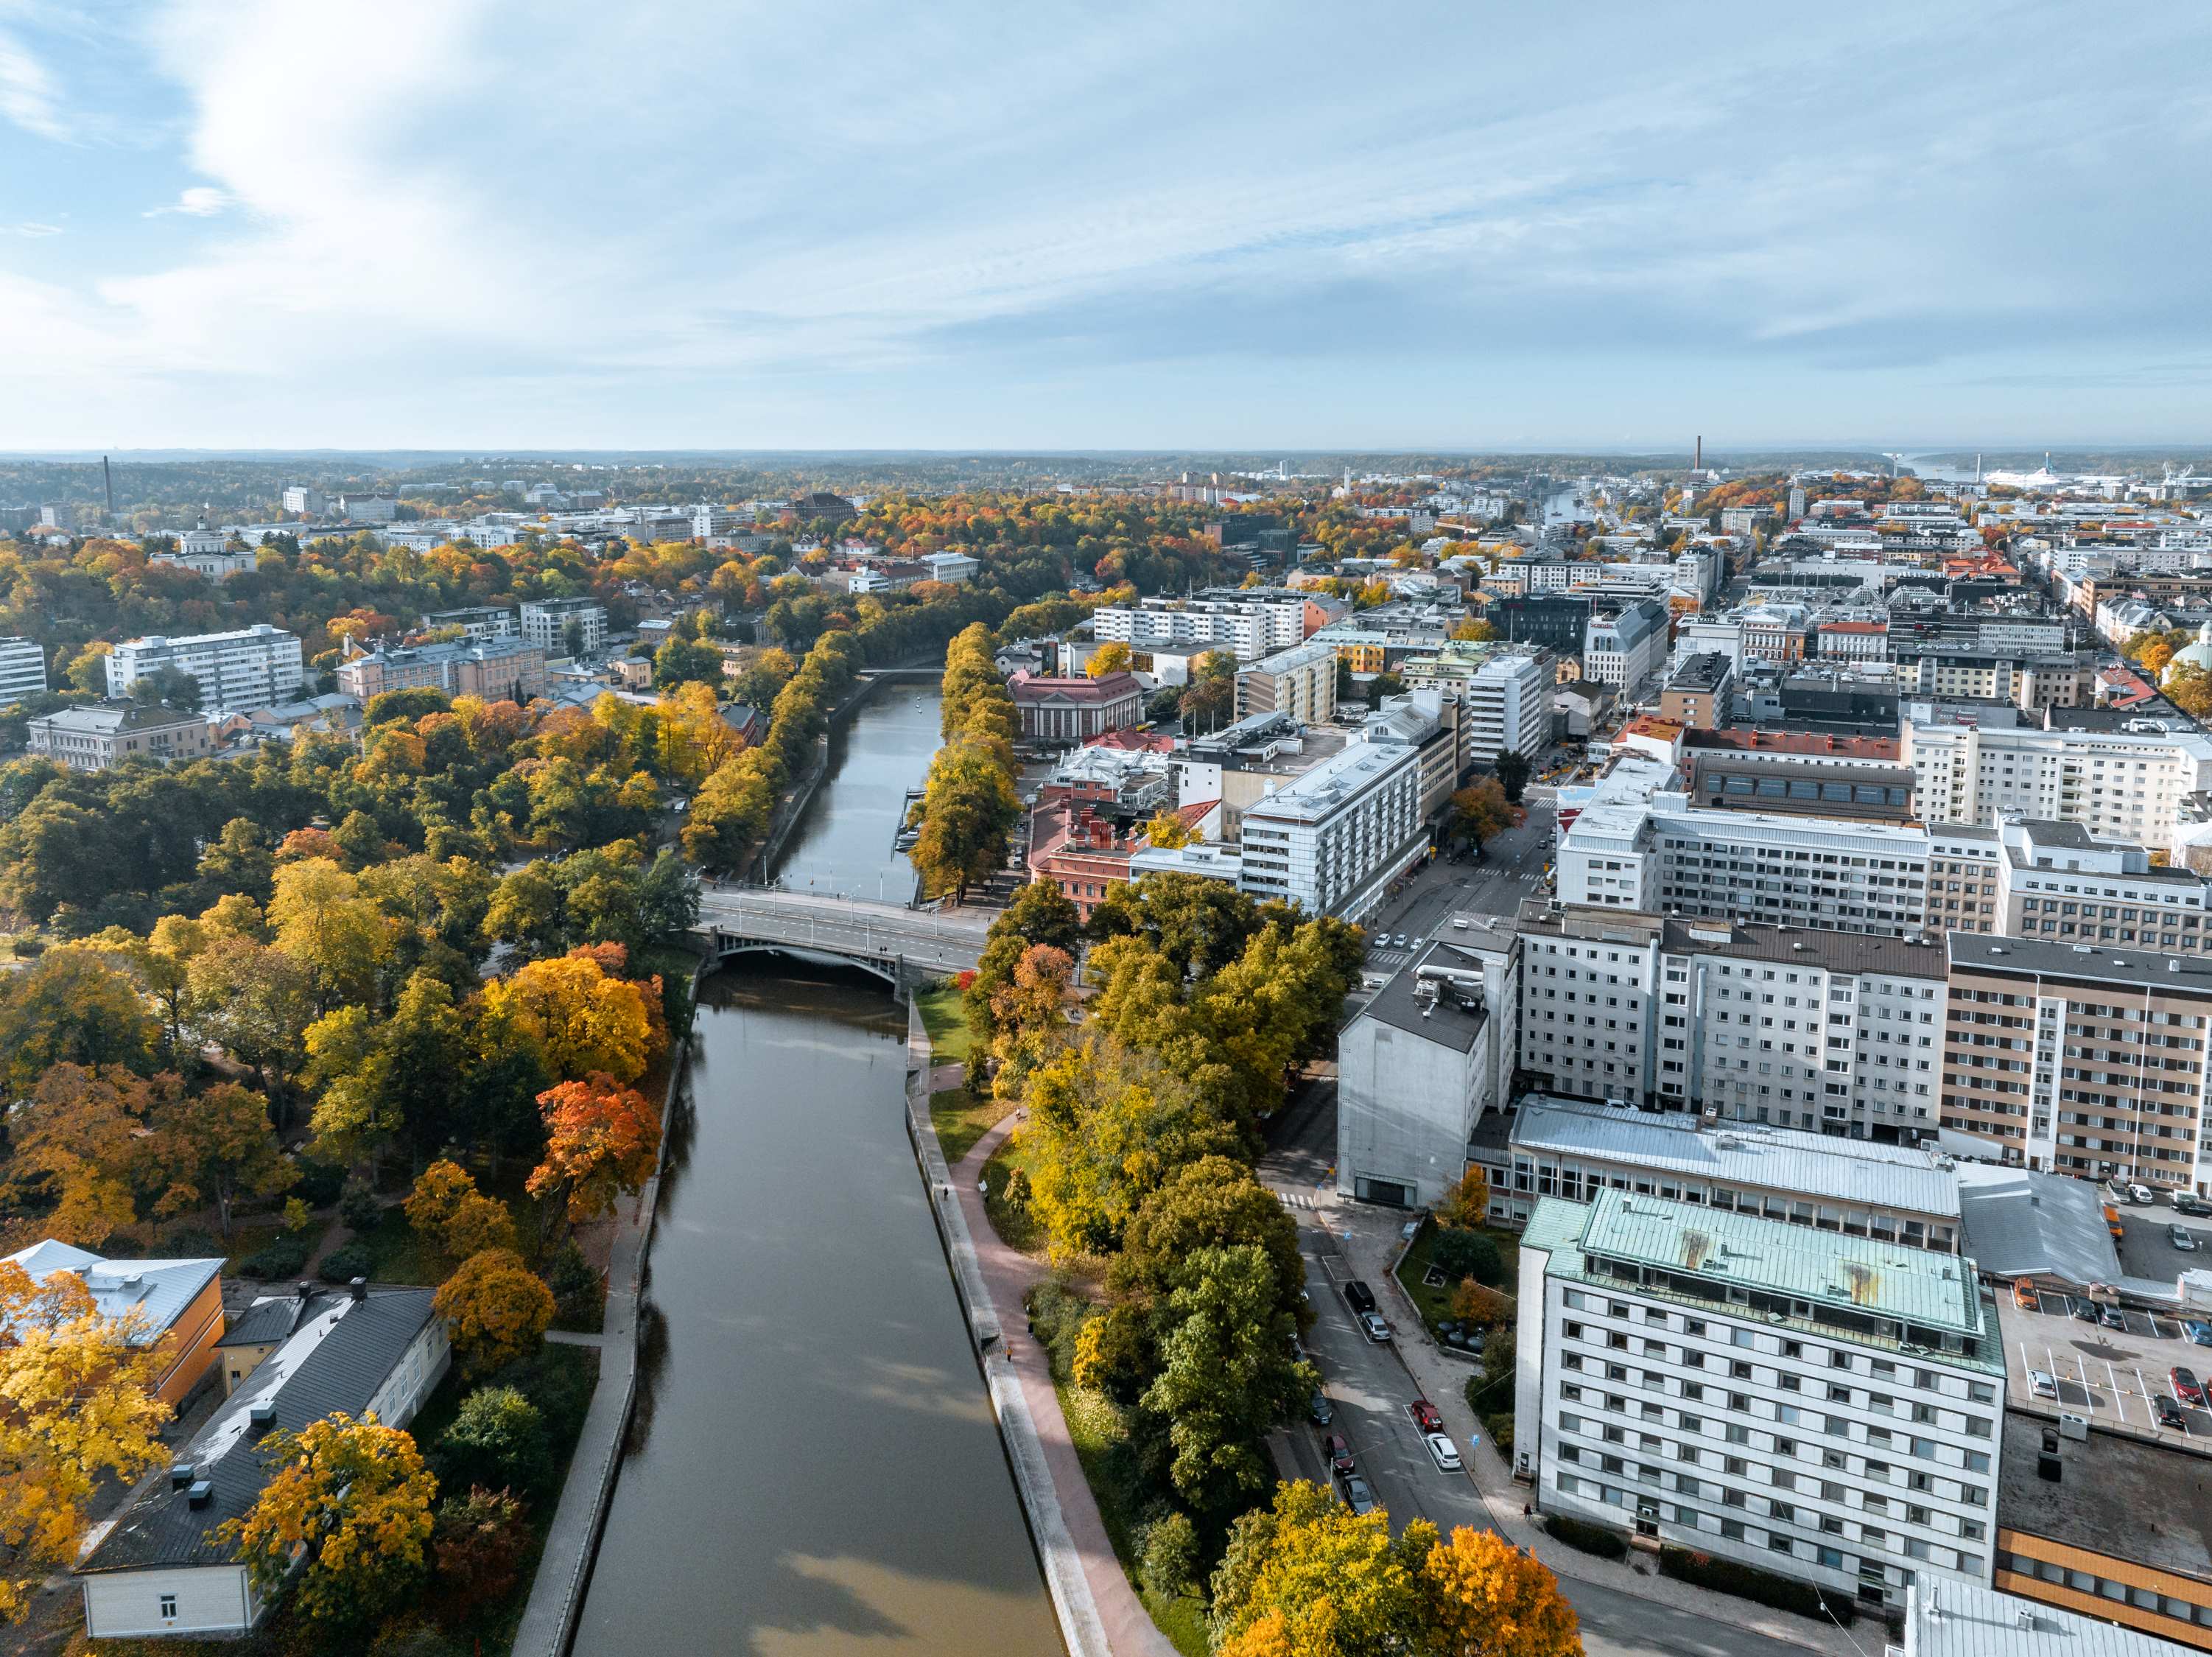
x: 2142, y: 1197
x: 1358, y: 1493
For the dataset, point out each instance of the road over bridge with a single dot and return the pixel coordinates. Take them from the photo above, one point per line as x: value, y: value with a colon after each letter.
x: 903, y: 946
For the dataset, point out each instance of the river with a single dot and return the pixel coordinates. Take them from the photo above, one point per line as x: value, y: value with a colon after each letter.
x: 814, y: 1465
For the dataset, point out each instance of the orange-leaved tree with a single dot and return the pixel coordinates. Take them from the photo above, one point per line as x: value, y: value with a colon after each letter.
x: 81, y: 1402
x: 496, y: 1310
x: 602, y: 1141
x: 1487, y: 1598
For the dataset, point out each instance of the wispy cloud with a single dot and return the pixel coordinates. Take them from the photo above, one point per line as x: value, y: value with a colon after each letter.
x: 200, y: 201
x: 28, y: 96
x: 33, y: 229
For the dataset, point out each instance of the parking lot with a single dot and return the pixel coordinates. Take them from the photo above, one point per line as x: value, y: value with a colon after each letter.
x: 2113, y: 1370
x: 2145, y: 1251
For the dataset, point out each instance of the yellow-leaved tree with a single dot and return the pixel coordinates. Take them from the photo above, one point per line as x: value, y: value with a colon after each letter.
x: 1487, y: 1598
x: 81, y: 1402
x: 582, y: 1017
x: 496, y: 1309
x: 350, y: 1503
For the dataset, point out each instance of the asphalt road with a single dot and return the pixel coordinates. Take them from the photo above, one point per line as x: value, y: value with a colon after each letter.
x: 1511, y: 869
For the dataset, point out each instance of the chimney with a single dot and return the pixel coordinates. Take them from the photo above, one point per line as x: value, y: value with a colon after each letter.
x: 1698, y: 464
x: 201, y: 1493
x: 307, y: 1290
x: 260, y: 1417
x: 180, y: 1475
x: 360, y: 1288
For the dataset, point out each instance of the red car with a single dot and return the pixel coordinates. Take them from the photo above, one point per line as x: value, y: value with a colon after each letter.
x: 1338, y: 1454
x: 1425, y: 1417
x: 2186, y: 1386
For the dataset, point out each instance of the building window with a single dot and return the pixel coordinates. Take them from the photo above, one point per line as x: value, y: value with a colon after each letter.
x: 168, y: 1607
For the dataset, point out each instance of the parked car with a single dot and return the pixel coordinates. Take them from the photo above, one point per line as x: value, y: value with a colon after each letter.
x: 1442, y: 1452
x: 2195, y: 1207
x: 2182, y: 1238
x: 1358, y: 1297
x: 2170, y: 1414
x: 2142, y: 1196
x: 2198, y: 1330
x: 1372, y: 1327
x: 2084, y: 1311
x: 2111, y: 1316
x: 1425, y: 1417
x: 1319, y: 1409
x: 2023, y: 1296
x: 2186, y: 1386
x: 2043, y: 1382
x: 1357, y: 1494
x: 1338, y: 1454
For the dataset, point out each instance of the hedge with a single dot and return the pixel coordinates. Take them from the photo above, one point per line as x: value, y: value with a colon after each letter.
x: 1749, y: 1582
x: 1589, y: 1539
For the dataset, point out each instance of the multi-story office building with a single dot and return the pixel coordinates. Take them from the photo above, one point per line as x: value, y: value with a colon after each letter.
x: 1825, y: 1406
x: 1557, y: 621
x: 1300, y: 681
x: 368, y: 509
x: 92, y: 739
x: 1572, y: 1148
x: 1697, y: 693
x: 1435, y: 726
x: 2080, y: 1059
x: 1333, y: 838
x: 2059, y: 883
x: 2123, y: 785
x: 1625, y: 646
x: 22, y: 669
x: 497, y: 669
x: 708, y: 521
x: 545, y: 625
x: 307, y: 501
x: 1964, y: 865
x: 477, y: 623
x: 1505, y: 689
x: 256, y: 667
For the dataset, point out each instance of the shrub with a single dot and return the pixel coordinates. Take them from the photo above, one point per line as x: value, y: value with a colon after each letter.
x: 190, y: 1243
x: 358, y: 1207
x: 1749, y: 1582
x: 343, y: 1266
x: 497, y: 1440
x: 579, y: 1291
x: 283, y: 1258
x: 1017, y: 1194
x: 1474, y: 1303
x: 1587, y: 1539
x: 1169, y: 1557
x: 411, y: 1636
x: 560, y: 1388
x: 320, y: 1182
x: 479, y: 1544
x: 1500, y: 1428
x: 1461, y: 1254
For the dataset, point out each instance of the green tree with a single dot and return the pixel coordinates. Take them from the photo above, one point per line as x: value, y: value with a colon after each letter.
x: 685, y: 662
x: 73, y: 1005
x: 498, y: 1439
x: 1512, y: 774
x: 968, y: 810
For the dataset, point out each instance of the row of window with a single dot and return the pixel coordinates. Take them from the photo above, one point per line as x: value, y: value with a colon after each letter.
x: 2182, y: 1610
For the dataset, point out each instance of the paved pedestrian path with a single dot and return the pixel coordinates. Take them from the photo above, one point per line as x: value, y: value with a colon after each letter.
x: 1010, y: 1275
x: 1370, y: 1238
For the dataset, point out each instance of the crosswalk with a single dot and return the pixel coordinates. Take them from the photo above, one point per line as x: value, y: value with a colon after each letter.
x: 1294, y: 1200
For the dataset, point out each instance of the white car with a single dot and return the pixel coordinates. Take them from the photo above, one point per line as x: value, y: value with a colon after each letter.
x: 2042, y: 1384
x: 1372, y: 1327
x: 1441, y: 1450
x: 2141, y: 1194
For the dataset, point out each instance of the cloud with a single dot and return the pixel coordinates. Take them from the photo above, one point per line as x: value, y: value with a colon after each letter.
x: 199, y: 201
x: 32, y: 229
x: 27, y: 93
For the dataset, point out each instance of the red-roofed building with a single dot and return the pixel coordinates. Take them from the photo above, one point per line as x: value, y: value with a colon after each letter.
x: 1083, y: 854
x: 1133, y: 741
x: 1072, y: 710
x: 1809, y: 745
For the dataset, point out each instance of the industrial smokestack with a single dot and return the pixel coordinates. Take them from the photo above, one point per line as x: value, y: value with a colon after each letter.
x: 108, y: 478
x: 1697, y: 464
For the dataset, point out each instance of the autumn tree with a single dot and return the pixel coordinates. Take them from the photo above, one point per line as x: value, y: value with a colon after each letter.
x: 216, y: 1146
x: 1306, y: 1577
x: 321, y: 920
x: 1166, y: 832
x: 1029, y: 1014
x: 1211, y: 698
x: 968, y: 808
x: 446, y: 1207
x: 1486, y: 1597
x: 81, y: 1404
x: 1467, y: 1203
x: 582, y: 1019
x: 344, y: 1517
x: 1040, y: 913
x: 1481, y: 811
x: 77, y: 1143
x: 496, y: 1310
x: 479, y: 1542
x: 74, y: 1005
x: 603, y: 1142
x: 1112, y: 657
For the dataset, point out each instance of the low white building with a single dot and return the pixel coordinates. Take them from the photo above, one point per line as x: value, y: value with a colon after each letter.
x: 954, y: 567
x: 1826, y: 1407
x: 156, y: 1572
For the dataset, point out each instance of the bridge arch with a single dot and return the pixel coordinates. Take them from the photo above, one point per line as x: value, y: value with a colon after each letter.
x: 888, y: 970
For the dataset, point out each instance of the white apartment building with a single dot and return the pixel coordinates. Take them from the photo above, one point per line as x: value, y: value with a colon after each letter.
x: 307, y: 502
x: 1249, y: 625
x: 256, y: 667
x: 1588, y: 980
x: 2058, y: 882
x: 1300, y: 682
x: 545, y: 623
x: 708, y: 521
x: 1825, y: 1406
x: 22, y: 669
x: 368, y: 509
x: 1505, y: 693
x: 953, y: 567
x: 1625, y: 649
x: 2125, y: 784
x: 1334, y: 838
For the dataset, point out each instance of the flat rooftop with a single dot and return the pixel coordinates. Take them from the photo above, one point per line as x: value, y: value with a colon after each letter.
x: 2118, y: 1495
x: 2098, y: 964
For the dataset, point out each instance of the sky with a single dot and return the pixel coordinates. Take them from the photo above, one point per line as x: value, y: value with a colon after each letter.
x: 713, y: 224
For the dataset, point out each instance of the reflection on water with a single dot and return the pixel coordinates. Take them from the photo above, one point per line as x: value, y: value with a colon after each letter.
x: 814, y: 1463
x: 845, y: 839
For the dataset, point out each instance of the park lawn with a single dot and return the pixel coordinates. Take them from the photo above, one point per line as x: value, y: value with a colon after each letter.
x: 1436, y: 1303
x: 945, y: 1016
x: 1100, y: 1433
x: 1017, y: 1229
x: 960, y: 1120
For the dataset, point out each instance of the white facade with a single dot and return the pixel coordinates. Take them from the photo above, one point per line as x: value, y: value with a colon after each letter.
x: 1248, y: 627
x: 1626, y: 648
x: 307, y: 502
x: 2122, y: 785
x: 368, y: 509
x: 1822, y: 1406
x: 955, y: 567
x: 545, y: 623
x: 1331, y: 839
x: 22, y: 669
x: 1504, y: 693
x: 708, y: 521
x: 180, y: 1601
x: 238, y: 671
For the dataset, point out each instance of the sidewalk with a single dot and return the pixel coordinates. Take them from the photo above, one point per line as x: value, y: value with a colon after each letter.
x: 1369, y: 1239
x: 1009, y: 1276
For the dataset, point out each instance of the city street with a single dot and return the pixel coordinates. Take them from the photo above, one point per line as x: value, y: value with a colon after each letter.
x: 1511, y: 869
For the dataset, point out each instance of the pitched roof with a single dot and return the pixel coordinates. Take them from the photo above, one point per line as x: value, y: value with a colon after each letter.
x: 343, y: 1351
x: 158, y: 1290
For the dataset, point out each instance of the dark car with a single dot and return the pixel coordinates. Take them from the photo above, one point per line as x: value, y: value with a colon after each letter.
x: 1357, y: 1494
x: 2111, y: 1316
x: 1425, y: 1417
x: 1358, y: 1297
x: 1338, y: 1454
x: 2085, y: 1311
x: 2194, y: 1206
x: 2171, y: 1414
x: 2186, y: 1386
x: 1319, y: 1409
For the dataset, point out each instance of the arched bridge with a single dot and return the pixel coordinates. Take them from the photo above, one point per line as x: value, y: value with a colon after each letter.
x: 904, y: 946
